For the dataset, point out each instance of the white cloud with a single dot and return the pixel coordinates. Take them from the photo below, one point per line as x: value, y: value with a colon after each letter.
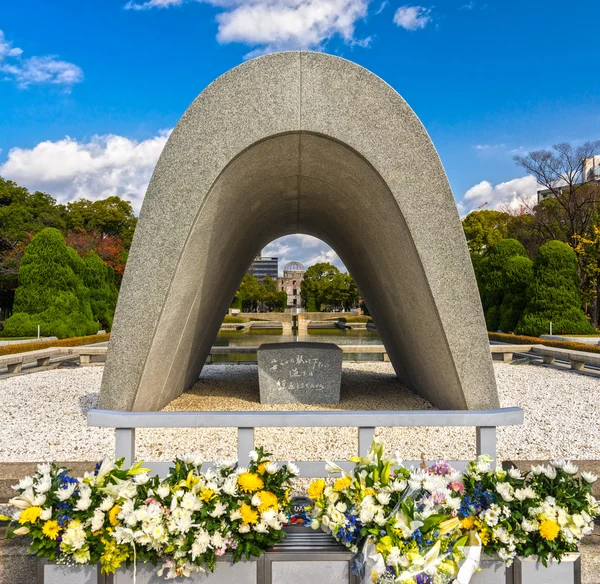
x: 104, y: 166
x: 507, y: 195
x: 306, y: 249
x: 276, y: 25
x: 412, y: 17
x: 36, y: 70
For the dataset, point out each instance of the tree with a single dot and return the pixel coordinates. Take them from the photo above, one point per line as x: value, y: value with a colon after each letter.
x: 553, y: 295
x: 561, y: 171
x: 51, y: 291
x: 318, y: 284
x: 248, y: 293
x: 22, y: 215
x: 110, y: 248
x: 100, y: 281
x: 110, y: 216
x: 484, y: 229
x: 502, y: 276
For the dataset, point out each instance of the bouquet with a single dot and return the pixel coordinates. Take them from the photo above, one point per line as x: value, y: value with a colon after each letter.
x: 182, y: 522
x: 401, y: 522
x: 544, y: 512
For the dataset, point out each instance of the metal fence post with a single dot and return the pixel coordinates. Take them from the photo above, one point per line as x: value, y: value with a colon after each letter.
x: 245, y: 445
x: 486, y: 442
x: 365, y: 439
x: 125, y: 445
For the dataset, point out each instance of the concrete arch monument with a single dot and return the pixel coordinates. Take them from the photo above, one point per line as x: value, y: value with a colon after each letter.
x: 299, y: 142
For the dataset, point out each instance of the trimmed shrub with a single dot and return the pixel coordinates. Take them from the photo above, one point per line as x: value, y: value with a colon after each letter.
x: 356, y: 318
x: 51, y: 291
x: 524, y: 340
x: 100, y: 281
x: 502, y: 276
x: 234, y: 319
x: 72, y: 342
x: 554, y: 295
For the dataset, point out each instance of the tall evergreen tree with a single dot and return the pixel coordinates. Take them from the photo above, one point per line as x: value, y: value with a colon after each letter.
x: 51, y: 291
x: 554, y: 295
x: 100, y: 281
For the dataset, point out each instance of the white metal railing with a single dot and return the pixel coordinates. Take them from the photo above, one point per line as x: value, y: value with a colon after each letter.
x: 125, y: 423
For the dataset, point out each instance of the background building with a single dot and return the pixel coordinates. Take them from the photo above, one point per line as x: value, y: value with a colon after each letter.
x: 590, y: 174
x: 262, y: 267
x: 293, y: 274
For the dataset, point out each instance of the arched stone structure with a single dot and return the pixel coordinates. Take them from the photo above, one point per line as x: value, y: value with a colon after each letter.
x: 299, y: 142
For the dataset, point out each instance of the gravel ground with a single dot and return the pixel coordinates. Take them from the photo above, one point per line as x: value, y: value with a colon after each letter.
x: 43, y: 417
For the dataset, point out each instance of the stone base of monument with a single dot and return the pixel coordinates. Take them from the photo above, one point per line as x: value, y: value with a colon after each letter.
x: 530, y: 571
x: 493, y: 571
x: 299, y: 373
x: 55, y: 574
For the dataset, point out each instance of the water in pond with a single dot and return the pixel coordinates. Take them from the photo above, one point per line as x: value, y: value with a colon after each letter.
x: 254, y: 338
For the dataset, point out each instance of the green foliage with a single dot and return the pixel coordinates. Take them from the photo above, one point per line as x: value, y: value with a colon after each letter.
x: 100, y: 281
x: 229, y: 318
x: 503, y: 276
x: 324, y: 285
x: 484, y: 229
x: 110, y: 216
x: 554, y: 295
x: 51, y: 291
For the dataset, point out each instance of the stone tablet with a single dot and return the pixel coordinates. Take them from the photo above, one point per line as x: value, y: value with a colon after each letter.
x: 299, y: 373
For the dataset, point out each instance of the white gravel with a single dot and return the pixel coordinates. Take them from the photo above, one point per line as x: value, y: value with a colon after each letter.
x: 44, y: 417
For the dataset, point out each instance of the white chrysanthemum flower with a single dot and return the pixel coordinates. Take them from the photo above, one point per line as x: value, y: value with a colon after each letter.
x: 141, y: 479
x: 293, y: 469
x: 515, y: 473
x: 163, y: 491
x: 244, y: 528
x: 271, y: 467
x: 315, y: 524
x: 235, y: 515
x: 218, y: 510
x: 253, y: 455
x: 558, y: 463
x: 44, y: 469
x: 256, y: 500
x: 107, y: 504
x: 589, y: 477
x: 383, y: 498
x: 83, y: 504
x: 537, y: 469
x: 44, y: 484
x: 193, y: 458
x: 97, y: 520
x: 399, y: 485
x: 24, y: 484
x: 550, y: 472
x: 66, y: 493
x: 261, y: 528
x: 570, y: 468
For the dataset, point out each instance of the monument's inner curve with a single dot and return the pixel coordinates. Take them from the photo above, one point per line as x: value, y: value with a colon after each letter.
x: 288, y: 143
x: 303, y: 183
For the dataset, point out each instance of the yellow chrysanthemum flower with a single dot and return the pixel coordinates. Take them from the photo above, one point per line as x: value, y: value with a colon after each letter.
x: 250, y: 482
x: 261, y: 468
x: 249, y: 515
x: 206, y: 494
x: 112, y: 515
x: 30, y: 515
x: 342, y: 484
x: 268, y: 501
x: 50, y: 529
x: 549, y: 530
x: 316, y: 488
x: 468, y: 522
x: 368, y: 492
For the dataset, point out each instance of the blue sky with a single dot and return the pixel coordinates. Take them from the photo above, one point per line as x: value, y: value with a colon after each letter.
x: 89, y: 90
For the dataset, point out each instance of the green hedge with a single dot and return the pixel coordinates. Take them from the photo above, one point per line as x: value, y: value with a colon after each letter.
x: 524, y: 340
x: 357, y: 318
x: 234, y: 319
x: 72, y: 342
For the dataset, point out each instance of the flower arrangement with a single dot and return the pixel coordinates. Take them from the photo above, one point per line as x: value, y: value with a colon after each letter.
x: 182, y: 522
x: 402, y: 522
x: 544, y: 512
